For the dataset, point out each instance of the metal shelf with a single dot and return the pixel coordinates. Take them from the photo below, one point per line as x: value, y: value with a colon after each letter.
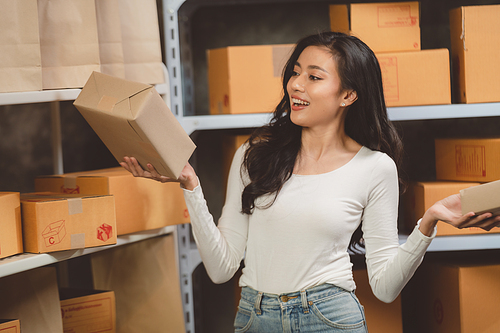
x: 407, y: 113
x: 26, y: 261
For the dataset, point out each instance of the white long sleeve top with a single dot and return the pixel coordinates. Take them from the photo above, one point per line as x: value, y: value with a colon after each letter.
x: 301, y: 240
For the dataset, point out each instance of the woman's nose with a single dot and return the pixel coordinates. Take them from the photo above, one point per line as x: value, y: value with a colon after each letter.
x: 298, y: 83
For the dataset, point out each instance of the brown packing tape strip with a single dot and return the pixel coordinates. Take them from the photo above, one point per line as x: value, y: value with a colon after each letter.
x: 78, y: 241
x: 107, y: 103
x: 75, y: 206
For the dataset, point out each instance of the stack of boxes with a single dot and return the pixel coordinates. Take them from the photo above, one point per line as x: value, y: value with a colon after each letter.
x: 411, y: 76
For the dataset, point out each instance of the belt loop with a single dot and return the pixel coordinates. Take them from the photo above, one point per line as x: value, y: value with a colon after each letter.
x: 303, y: 298
x: 257, y: 303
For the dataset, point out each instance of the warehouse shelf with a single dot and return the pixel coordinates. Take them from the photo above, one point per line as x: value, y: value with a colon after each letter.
x: 406, y: 113
x: 26, y: 261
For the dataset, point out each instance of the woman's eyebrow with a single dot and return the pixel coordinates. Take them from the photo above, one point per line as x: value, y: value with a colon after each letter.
x: 312, y: 67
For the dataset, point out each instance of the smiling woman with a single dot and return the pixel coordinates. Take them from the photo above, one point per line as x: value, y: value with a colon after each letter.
x: 305, y: 188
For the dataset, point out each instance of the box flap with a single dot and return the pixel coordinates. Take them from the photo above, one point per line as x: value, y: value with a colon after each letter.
x: 107, y: 93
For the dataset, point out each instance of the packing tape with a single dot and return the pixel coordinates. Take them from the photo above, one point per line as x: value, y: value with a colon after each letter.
x: 75, y: 206
x: 78, y: 241
x: 107, y: 103
x: 69, y: 181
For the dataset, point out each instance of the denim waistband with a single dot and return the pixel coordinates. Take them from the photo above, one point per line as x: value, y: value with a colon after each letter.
x: 303, y: 297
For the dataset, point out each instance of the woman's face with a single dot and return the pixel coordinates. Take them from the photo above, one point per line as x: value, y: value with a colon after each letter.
x: 315, y: 90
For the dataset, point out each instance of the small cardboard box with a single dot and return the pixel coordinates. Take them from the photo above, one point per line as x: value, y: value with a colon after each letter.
x: 141, y: 204
x: 384, y: 27
x: 11, y: 236
x: 10, y: 326
x: 133, y: 120
x: 416, y: 78
x: 380, y: 317
x: 456, y: 297
x: 480, y: 199
x: 468, y: 159
x: 55, y: 222
x: 88, y: 311
x: 422, y: 195
x: 246, y: 79
x: 476, y: 71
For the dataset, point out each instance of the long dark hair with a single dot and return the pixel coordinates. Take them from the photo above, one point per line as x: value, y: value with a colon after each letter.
x: 273, y: 148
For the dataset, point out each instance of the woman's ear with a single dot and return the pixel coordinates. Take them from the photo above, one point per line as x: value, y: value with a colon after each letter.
x: 350, y: 96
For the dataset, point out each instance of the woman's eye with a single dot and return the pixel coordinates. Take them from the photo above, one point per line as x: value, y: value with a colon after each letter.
x: 314, y: 78
x: 295, y: 73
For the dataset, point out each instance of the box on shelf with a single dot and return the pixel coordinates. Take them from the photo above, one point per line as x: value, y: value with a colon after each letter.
x: 456, y: 297
x: 482, y: 199
x: 473, y: 30
x: 141, y: 204
x: 55, y: 222
x: 420, y: 196
x: 10, y: 326
x: 11, y: 236
x: 88, y: 310
x: 234, y: 71
x: 384, y: 27
x: 132, y: 119
x: 380, y: 317
x: 468, y: 159
x: 32, y: 297
x: 416, y: 78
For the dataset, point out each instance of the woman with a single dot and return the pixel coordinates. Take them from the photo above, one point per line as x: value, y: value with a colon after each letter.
x: 306, y: 187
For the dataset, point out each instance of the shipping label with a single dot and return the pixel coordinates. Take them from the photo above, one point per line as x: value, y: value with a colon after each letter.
x: 89, y: 316
x: 395, y: 16
x: 389, y: 68
x: 470, y: 160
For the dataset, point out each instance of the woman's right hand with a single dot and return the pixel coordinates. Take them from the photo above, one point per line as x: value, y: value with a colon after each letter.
x: 187, y: 178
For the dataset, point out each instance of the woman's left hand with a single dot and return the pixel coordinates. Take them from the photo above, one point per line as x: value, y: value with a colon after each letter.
x: 449, y: 210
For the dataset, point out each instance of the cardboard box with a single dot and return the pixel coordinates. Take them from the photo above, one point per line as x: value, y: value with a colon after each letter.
x: 422, y: 195
x: 10, y: 326
x: 416, y: 78
x: 88, y: 311
x: 458, y: 297
x: 476, y: 71
x: 380, y: 317
x: 11, y: 236
x: 384, y: 27
x: 141, y: 204
x: 481, y: 199
x: 32, y: 297
x: 468, y: 159
x: 55, y: 222
x: 246, y: 79
x: 133, y: 120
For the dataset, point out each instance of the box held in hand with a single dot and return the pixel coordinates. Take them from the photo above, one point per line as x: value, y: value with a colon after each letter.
x: 132, y: 119
x: 484, y: 198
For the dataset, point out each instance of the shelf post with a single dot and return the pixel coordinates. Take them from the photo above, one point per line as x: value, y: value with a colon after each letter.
x: 57, y: 157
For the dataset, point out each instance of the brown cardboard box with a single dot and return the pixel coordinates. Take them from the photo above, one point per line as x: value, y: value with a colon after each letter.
x: 55, y: 222
x: 481, y: 199
x: 380, y: 317
x: 384, y: 27
x: 460, y: 298
x: 133, y: 120
x: 468, y: 159
x: 422, y: 195
x: 246, y: 79
x: 416, y: 78
x: 154, y: 303
x: 10, y: 326
x: 474, y: 31
x: 88, y: 310
x: 11, y: 236
x: 32, y: 297
x: 141, y: 204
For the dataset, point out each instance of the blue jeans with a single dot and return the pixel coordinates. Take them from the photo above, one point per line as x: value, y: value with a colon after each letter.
x: 324, y: 308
